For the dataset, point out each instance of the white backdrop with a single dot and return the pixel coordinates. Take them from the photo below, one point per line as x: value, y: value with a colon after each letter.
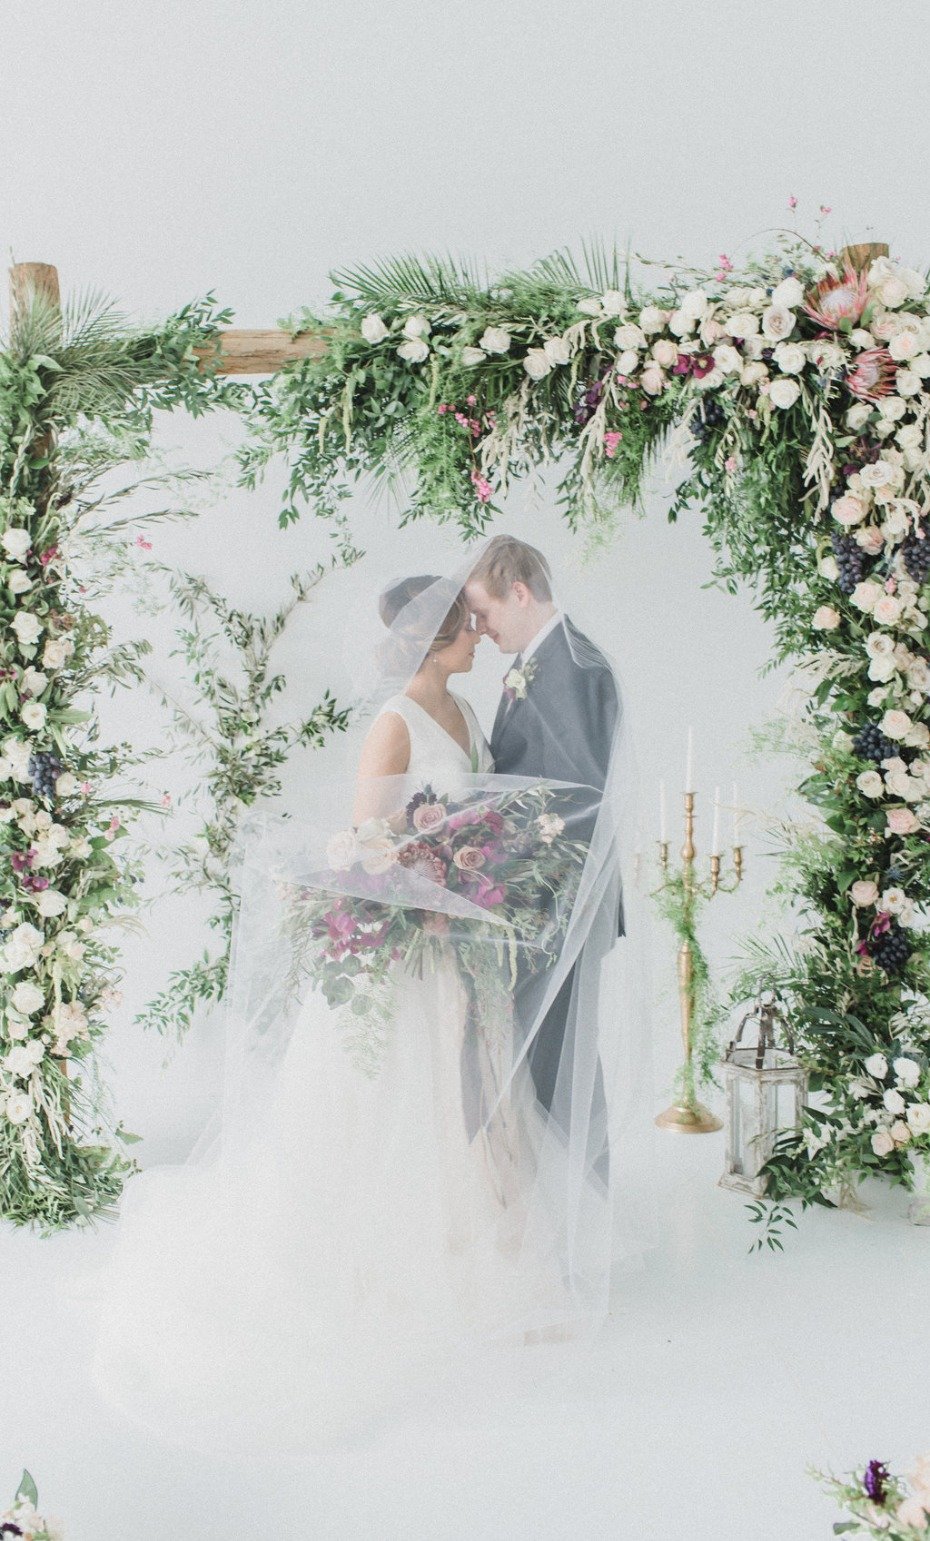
x: 157, y: 152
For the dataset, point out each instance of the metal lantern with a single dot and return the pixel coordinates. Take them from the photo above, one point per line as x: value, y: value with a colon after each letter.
x: 766, y: 1091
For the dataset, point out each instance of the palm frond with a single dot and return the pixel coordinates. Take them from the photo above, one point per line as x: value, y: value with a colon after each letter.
x: 600, y: 268
x: 411, y: 280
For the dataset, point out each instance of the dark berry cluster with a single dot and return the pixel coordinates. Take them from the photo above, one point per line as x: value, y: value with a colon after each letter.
x: 586, y: 407
x: 870, y: 743
x: 916, y: 553
x: 44, y: 769
x: 891, y: 950
x: 850, y: 559
x: 707, y: 418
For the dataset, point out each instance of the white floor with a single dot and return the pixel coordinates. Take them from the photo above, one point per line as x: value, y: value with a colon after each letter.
x: 722, y: 1377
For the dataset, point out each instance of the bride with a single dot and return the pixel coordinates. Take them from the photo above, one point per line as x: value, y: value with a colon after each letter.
x: 387, y: 1193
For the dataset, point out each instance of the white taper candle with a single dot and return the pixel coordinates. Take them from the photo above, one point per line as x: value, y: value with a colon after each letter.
x: 663, y: 824
x: 689, y: 763
x: 715, y: 839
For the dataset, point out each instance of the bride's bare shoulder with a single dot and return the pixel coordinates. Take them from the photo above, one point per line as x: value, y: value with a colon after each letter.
x: 386, y: 750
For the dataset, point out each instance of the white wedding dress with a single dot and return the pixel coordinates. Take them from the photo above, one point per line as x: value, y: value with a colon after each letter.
x: 361, y: 1246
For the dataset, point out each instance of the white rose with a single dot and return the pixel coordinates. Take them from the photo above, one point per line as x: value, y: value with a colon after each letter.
x: 777, y: 322
x: 27, y: 997
x: 789, y: 292
x: 892, y: 408
x: 829, y: 568
x: 895, y: 724
x: 651, y: 318
x: 56, y: 651
x: 628, y: 361
x: 727, y: 358
x: 909, y: 437
x: 473, y: 356
x: 417, y: 326
x: 899, y: 1132
x: 27, y: 627
x: 848, y: 509
x: 680, y: 324
x: 907, y: 1071
x: 665, y: 352
x: 557, y: 350
x: 19, y: 1062
x: 790, y: 357
x: 903, y: 785
x: 66, y: 785
x: 652, y: 380
x: 537, y: 363
x: 865, y: 595
x: 918, y: 1116
x: 882, y: 1143
x: 887, y: 610
x: 742, y: 324
x: 342, y: 850
x: 921, y: 365
x: 863, y: 893
x: 784, y: 393
x: 878, y: 644
x: 414, y: 351
x: 19, y: 582
x: 494, y: 339
x: 34, y: 681
x: 826, y: 618
x: 879, y: 473
x: 893, y: 292
x: 589, y: 306
x: 34, y: 715
x: 753, y: 373
x: 51, y: 902
x: 629, y: 335
x: 373, y: 328
x: 613, y: 302
x: 18, y: 1107
x: 904, y: 344
x: 22, y: 948
x: 893, y: 1101
x: 16, y: 543
x: 694, y: 303
x: 877, y: 1066
x: 378, y: 855
x: 870, y: 784
x: 858, y: 415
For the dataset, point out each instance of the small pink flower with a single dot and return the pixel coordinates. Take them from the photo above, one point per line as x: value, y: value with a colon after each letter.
x: 611, y: 440
x: 470, y: 400
x: 166, y: 799
x: 482, y: 487
x: 825, y: 210
x: 48, y: 555
x: 489, y: 895
x: 115, y: 822
x: 442, y: 409
x: 730, y: 463
x: 86, y: 788
x: 145, y: 544
x: 792, y: 202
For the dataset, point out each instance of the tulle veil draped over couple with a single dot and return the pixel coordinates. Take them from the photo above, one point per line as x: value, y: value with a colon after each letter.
x: 432, y: 1139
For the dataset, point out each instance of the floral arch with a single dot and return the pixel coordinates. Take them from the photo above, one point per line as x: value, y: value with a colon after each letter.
x: 803, y: 380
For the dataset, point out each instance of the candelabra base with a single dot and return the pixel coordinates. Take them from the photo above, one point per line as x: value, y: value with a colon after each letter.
x: 689, y: 1118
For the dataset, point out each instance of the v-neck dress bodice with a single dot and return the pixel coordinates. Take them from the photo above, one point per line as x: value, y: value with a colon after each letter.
x: 433, y: 750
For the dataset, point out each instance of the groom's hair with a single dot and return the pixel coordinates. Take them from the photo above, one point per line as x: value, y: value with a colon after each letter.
x: 507, y: 560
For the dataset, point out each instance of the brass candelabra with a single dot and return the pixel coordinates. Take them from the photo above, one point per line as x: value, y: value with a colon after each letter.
x: 688, y: 1115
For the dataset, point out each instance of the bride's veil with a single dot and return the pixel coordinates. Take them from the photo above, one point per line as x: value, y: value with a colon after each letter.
x: 586, y: 1090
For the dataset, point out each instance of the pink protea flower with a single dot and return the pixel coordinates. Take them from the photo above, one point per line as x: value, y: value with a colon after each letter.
x: 418, y: 857
x: 873, y: 375
x: 836, y: 300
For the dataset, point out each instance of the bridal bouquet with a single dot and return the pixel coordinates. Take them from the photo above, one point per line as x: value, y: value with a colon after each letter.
x: 491, y: 875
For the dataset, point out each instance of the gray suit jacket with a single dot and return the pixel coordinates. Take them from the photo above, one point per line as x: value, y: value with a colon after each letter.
x: 564, y: 726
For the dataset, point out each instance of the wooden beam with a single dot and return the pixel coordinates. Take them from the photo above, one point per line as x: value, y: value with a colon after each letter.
x: 262, y: 352
x: 28, y: 278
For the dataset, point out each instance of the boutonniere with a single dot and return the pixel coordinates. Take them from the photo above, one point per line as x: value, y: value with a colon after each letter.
x: 516, y: 681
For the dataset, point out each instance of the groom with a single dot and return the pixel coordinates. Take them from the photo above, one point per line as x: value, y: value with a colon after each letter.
x: 555, y: 721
